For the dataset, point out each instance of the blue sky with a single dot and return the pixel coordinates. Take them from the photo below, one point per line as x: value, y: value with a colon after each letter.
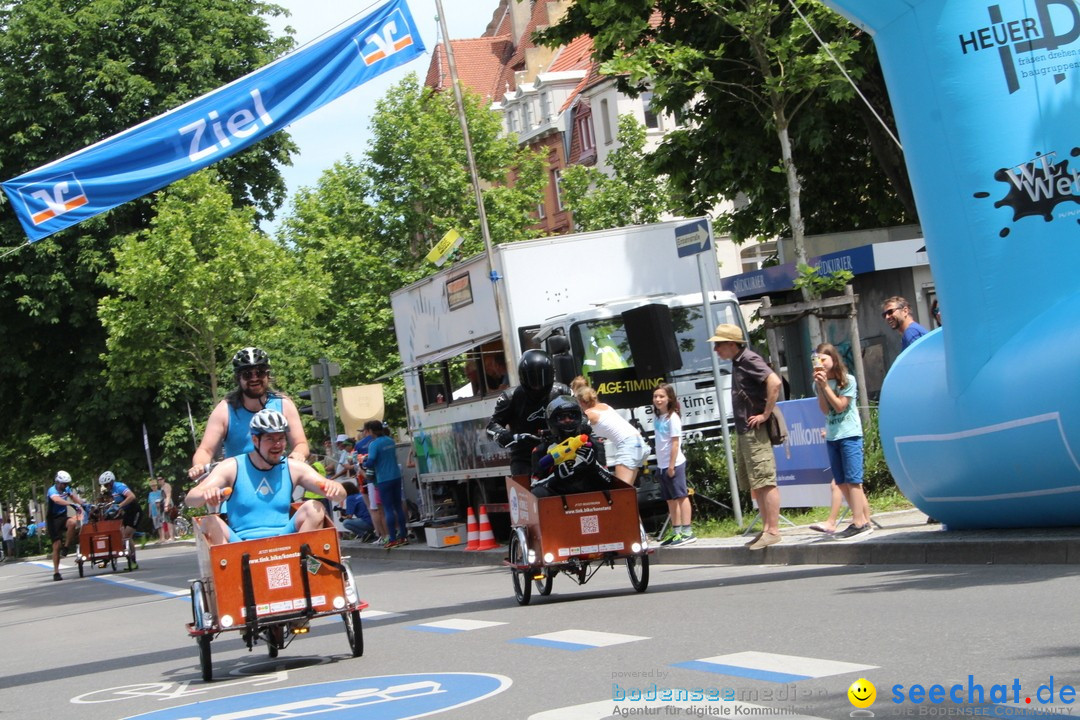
x: 341, y: 127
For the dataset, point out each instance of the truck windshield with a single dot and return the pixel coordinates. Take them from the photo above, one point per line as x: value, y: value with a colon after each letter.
x: 602, y: 345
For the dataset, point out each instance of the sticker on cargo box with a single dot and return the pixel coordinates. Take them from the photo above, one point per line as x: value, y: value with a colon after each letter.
x: 612, y: 547
x: 312, y: 565
x: 278, y: 576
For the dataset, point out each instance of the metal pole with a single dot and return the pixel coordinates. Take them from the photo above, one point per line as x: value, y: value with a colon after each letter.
x: 856, y: 354
x: 146, y: 447
x: 721, y: 402
x: 500, y: 305
x: 328, y: 388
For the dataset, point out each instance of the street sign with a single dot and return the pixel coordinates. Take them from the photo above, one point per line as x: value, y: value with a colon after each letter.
x: 693, y: 238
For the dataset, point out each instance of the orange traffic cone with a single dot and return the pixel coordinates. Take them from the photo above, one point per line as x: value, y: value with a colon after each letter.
x: 487, y: 537
x: 473, y: 532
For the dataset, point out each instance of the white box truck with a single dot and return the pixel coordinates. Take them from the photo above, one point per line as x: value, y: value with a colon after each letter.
x: 619, y: 306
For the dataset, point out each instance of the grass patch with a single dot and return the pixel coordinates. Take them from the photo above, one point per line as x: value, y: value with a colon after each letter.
x: 885, y: 500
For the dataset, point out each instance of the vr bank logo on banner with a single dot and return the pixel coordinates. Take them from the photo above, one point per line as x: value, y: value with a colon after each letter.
x: 52, y: 198
x: 385, y: 41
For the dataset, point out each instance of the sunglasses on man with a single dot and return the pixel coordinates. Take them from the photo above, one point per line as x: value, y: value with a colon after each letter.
x: 254, y: 373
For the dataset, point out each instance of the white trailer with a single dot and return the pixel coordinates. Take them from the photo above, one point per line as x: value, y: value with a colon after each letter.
x: 570, y: 290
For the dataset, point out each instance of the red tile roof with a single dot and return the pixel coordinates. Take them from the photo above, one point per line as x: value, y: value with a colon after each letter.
x: 479, y: 61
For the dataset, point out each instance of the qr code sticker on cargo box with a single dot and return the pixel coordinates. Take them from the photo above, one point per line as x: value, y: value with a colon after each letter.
x: 590, y: 524
x: 277, y: 576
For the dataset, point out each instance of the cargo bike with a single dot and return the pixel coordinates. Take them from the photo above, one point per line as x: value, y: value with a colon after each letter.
x: 270, y: 590
x: 101, y: 540
x: 574, y: 535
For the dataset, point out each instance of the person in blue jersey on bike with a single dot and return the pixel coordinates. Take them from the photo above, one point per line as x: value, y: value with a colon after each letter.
x: 125, y: 506
x: 64, y: 507
x: 229, y: 422
x: 259, y: 486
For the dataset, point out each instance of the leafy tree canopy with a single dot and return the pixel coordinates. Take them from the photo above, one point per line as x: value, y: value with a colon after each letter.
x: 73, y: 73
x: 368, y: 223
x: 741, y: 73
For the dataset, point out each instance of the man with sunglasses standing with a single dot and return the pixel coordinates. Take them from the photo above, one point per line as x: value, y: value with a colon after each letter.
x: 897, y: 313
x: 230, y: 421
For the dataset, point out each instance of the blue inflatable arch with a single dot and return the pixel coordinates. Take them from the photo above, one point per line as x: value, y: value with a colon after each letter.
x: 980, y: 419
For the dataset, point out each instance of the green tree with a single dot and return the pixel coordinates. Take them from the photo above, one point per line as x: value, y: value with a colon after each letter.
x: 419, y: 173
x: 201, y: 282
x: 73, y: 73
x: 632, y: 195
x: 368, y: 224
x: 768, y: 117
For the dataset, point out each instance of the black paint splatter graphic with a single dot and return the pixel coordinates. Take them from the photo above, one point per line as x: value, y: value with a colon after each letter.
x: 1037, y: 187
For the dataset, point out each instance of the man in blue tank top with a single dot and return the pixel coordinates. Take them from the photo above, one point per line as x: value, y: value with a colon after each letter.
x: 229, y: 422
x: 126, y: 508
x: 259, y: 487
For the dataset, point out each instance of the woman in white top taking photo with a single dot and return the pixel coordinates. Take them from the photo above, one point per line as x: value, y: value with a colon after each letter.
x: 630, y: 449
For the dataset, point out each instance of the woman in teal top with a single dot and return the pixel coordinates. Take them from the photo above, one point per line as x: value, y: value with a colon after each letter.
x: 837, y: 395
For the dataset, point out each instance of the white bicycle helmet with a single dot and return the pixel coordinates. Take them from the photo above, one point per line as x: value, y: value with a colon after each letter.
x: 268, y: 421
x: 106, y: 477
x: 63, y: 477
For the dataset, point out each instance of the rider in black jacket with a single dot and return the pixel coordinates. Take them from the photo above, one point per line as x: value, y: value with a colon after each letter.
x: 584, y: 471
x: 519, y: 418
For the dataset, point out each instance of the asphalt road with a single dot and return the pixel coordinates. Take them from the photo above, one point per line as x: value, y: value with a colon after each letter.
x: 777, y: 641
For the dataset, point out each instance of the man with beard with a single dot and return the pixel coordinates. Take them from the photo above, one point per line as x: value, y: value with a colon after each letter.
x: 519, y: 416
x: 230, y: 421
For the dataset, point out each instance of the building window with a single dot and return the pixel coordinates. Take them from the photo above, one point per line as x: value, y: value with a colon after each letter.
x: 556, y: 182
x: 652, y: 120
x: 605, y: 119
x: 511, y: 121
x: 585, y: 133
x: 541, y: 211
x: 545, y: 107
x: 526, y: 116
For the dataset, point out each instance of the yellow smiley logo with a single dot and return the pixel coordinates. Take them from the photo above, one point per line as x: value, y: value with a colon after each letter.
x: 862, y: 693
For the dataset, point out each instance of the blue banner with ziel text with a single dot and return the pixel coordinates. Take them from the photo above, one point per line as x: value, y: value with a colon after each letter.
x: 164, y: 149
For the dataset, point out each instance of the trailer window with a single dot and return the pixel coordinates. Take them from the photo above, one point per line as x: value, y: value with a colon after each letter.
x: 465, y: 376
x: 433, y: 381
x: 493, y: 361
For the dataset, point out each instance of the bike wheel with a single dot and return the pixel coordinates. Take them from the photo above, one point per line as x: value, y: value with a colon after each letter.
x: 198, y: 605
x: 204, y: 658
x: 637, y: 566
x: 181, y: 527
x: 522, y: 586
x: 275, y: 640
x: 355, y: 632
x: 543, y: 586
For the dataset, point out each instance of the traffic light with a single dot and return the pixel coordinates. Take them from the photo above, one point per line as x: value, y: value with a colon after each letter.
x: 320, y: 407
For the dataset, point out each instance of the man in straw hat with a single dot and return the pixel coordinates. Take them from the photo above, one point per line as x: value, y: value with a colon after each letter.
x: 754, y: 391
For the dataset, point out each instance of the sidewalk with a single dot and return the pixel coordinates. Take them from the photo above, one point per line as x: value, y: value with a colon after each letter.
x: 903, y: 539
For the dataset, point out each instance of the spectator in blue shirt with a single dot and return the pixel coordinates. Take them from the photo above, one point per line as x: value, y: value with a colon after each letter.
x: 897, y: 313
x: 382, y: 458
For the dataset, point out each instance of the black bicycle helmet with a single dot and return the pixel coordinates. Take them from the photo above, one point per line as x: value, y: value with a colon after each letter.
x: 564, y: 417
x: 250, y: 357
x: 536, y: 371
